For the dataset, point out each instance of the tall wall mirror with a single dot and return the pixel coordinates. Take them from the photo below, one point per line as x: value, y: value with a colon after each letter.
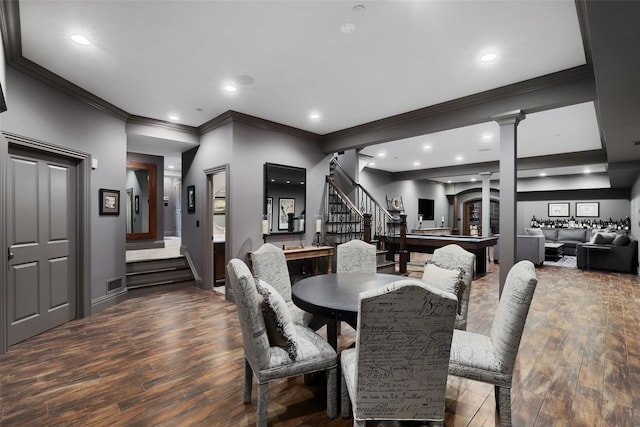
x: 285, y: 198
x: 140, y: 187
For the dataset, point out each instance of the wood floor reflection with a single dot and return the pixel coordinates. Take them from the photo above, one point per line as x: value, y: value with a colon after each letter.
x: 176, y: 358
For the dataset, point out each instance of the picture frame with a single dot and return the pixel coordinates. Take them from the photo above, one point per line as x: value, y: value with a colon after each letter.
x: 191, y: 198
x: 558, y: 209
x: 109, y: 202
x: 136, y: 204
x: 219, y: 204
x: 286, y: 206
x: 588, y: 209
x: 270, y: 213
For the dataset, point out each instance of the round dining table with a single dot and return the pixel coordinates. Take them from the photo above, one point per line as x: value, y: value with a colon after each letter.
x: 336, y: 296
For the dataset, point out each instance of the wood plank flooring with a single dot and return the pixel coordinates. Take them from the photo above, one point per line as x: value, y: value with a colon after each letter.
x: 176, y: 359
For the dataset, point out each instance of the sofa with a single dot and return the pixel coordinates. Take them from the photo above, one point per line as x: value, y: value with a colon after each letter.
x: 609, y: 251
x: 570, y: 237
x: 529, y: 247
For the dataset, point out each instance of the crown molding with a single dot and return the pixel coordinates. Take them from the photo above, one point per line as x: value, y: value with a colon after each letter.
x: 140, y: 120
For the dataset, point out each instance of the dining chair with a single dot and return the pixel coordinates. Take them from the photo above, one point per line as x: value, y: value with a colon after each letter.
x: 491, y: 359
x: 268, y: 361
x: 356, y: 256
x: 454, y: 256
x: 270, y: 265
x: 398, y: 368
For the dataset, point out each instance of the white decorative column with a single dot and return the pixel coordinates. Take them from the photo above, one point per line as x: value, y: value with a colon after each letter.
x: 486, y: 203
x: 508, y: 189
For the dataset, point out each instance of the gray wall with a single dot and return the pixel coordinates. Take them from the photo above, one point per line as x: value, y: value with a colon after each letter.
x: 381, y: 187
x: 246, y: 148
x: 40, y: 112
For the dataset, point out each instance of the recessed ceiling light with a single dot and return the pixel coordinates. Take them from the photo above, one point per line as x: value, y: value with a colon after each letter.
x: 171, y: 167
x: 587, y: 171
x: 487, y: 137
x: 314, y: 116
x: 230, y: 88
x: 543, y: 174
x: 449, y: 182
x: 426, y: 147
x: 459, y: 158
x: 382, y: 154
x: 80, y: 39
x: 488, y: 56
x: 371, y: 163
x: 174, y: 118
x: 416, y: 163
x: 473, y: 180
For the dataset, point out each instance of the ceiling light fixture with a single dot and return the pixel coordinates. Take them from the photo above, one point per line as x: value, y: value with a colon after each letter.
x: 459, y: 158
x: 473, y: 180
x: 488, y: 57
x: 426, y: 147
x: 543, y: 174
x: 449, y: 182
x: 314, y: 116
x: 587, y: 171
x: 230, y: 88
x: 382, y: 154
x: 487, y: 137
x: 371, y: 164
x: 171, y: 167
x: 416, y: 163
x: 174, y: 118
x: 80, y: 39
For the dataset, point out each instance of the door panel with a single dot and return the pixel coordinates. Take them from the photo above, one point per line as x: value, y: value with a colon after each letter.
x: 42, y: 287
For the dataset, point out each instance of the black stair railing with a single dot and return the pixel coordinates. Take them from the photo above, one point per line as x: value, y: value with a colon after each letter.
x: 345, y: 213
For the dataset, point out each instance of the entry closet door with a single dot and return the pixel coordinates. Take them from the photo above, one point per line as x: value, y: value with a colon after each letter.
x: 41, y: 221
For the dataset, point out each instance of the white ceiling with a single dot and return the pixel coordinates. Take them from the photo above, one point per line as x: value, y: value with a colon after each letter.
x: 290, y: 58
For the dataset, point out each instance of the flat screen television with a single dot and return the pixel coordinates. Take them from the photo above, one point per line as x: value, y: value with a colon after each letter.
x: 425, y: 208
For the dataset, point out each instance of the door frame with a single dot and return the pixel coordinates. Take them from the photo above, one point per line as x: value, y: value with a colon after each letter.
x: 208, y: 235
x: 83, y: 224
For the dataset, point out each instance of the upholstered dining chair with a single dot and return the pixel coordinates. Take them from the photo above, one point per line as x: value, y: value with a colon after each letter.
x: 398, y: 368
x: 453, y: 256
x: 270, y: 265
x: 356, y: 256
x: 491, y: 359
x: 307, y: 352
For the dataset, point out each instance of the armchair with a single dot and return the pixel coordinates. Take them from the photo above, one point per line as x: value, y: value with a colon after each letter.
x: 269, y: 362
x: 398, y: 368
x: 491, y: 359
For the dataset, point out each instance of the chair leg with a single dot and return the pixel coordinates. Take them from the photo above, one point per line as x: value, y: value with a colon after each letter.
x: 345, y: 400
x: 503, y: 405
x: 263, y: 405
x: 248, y: 381
x: 332, y: 392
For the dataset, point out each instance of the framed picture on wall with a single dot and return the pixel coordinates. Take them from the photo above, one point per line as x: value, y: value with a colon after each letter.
x: 191, y: 198
x: 287, y: 206
x: 558, y: 209
x: 589, y: 209
x: 270, y: 213
x: 109, y: 202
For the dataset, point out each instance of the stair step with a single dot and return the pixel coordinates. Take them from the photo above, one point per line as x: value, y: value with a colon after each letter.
x: 157, y: 264
x: 156, y: 277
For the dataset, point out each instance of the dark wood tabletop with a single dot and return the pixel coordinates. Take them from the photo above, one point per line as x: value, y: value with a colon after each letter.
x: 336, y: 296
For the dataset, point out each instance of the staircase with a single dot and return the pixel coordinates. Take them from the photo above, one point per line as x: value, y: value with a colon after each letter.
x: 357, y: 217
x: 158, y: 274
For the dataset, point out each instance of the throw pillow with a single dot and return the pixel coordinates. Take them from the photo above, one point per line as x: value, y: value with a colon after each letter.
x: 277, y: 319
x: 533, y: 232
x: 445, y: 278
x: 603, y: 238
x: 621, y: 240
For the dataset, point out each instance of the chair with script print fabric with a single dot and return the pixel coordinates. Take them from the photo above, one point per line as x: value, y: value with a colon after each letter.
x: 453, y: 256
x: 398, y: 368
x: 356, y: 256
x: 491, y: 359
x: 296, y: 351
x: 270, y: 265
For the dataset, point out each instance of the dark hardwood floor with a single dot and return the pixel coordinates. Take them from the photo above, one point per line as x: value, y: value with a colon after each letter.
x: 176, y: 359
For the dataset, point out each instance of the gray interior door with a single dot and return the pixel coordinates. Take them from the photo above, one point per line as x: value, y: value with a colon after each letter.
x: 41, y: 218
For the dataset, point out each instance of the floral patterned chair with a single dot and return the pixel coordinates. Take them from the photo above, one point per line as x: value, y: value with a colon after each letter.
x: 356, y: 256
x: 398, y: 368
x: 270, y: 265
x: 453, y: 256
x: 307, y: 352
x: 491, y: 359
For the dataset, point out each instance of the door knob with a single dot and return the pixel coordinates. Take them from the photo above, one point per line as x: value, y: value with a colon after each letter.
x: 9, y: 254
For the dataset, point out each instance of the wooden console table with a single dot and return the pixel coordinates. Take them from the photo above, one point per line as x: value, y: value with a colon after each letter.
x: 442, y: 231
x: 314, y: 252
